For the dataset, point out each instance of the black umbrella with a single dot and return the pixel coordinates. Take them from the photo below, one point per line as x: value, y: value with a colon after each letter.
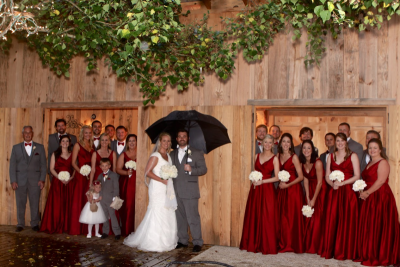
x: 206, y: 132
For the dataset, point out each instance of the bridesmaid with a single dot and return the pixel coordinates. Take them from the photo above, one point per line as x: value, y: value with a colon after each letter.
x: 56, y: 211
x: 378, y: 224
x: 103, y: 150
x: 127, y: 186
x: 81, y: 155
x: 315, y: 187
x: 260, y: 227
x: 290, y: 199
x: 342, y: 204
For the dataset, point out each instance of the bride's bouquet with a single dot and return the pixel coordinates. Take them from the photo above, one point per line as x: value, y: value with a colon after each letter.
x: 284, y: 176
x: 359, y: 185
x: 130, y: 165
x: 64, y: 176
x: 307, y: 211
x: 255, y: 176
x: 85, y: 170
x: 336, y: 176
x: 168, y: 171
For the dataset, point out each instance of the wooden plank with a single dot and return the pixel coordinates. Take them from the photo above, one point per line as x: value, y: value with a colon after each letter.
x: 92, y: 105
x: 383, y: 89
x: 322, y: 102
x: 368, y: 63
x: 351, y: 58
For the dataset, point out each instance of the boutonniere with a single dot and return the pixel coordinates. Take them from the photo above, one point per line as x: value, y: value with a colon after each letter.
x: 34, y: 147
x: 189, y: 152
x: 107, y: 178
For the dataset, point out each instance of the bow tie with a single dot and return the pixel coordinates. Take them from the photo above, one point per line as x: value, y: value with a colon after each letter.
x: 121, y: 143
x: 28, y: 144
x: 259, y: 143
x: 105, y: 173
x: 276, y: 143
x: 327, y: 152
x: 96, y: 138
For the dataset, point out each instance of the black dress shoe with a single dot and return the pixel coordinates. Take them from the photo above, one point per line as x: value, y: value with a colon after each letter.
x: 180, y: 245
x: 196, y: 248
x: 19, y: 229
x: 117, y: 237
x: 104, y: 236
x: 35, y: 228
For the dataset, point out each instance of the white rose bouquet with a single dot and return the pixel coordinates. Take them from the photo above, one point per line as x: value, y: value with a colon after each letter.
x: 284, y: 176
x: 85, y: 170
x: 336, y: 176
x: 64, y: 176
x: 359, y: 185
x: 168, y: 171
x: 255, y: 176
x: 130, y: 165
x: 307, y: 211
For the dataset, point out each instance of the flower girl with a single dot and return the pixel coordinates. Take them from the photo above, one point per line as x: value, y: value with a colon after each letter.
x: 92, y: 212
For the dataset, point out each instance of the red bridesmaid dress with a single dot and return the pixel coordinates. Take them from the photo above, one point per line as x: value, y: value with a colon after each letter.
x: 78, y: 199
x: 378, y: 224
x: 290, y: 203
x: 260, y: 226
x: 314, y: 226
x: 341, y: 217
x: 56, y: 211
x: 98, y: 170
x: 127, y: 190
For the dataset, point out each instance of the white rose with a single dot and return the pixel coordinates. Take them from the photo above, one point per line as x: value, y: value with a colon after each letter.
x: 130, y: 165
x: 64, y: 176
x: 255, y: 176
x: 284, y: 176
x: 307, y: 211
x: 359, y: 185
x: 336, y: 176
x: 85, y: 170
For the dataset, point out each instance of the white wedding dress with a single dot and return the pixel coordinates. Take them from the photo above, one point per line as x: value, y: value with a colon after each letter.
x: 158, y: 231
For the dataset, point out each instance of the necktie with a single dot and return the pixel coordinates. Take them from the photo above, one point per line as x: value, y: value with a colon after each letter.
x: 96, y: 138
x: 120, y: 143
x: 28, y: 144
x: 259, y: 143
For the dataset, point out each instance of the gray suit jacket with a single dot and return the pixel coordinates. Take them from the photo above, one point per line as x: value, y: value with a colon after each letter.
x: 363, y: 162
x: 275, y: 149
x: 298, y: 148
x: 257, y: 148
x: 323, y: 159
x: 26, y: 169
x: 54, y: 143
x: 114, y: 146
x: 185, y: 185
x: 356, y: 148
x: 109, y: 188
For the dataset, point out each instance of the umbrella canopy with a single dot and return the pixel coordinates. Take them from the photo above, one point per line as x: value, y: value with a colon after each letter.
x: 206, y: 132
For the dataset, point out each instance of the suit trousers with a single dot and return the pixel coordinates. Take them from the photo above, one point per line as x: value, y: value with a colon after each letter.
x: 187, y: 214
x: 21, y: 194
x: 110, y: 213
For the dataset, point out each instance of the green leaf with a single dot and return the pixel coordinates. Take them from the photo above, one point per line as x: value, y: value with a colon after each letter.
x: 318, y: 9
x: 310, y: 15
x: 180, y: 88
x: 325, y: 15
x: 331, y: 7
x: 106, y: 7
x: 395, y: 6
x: 155, y: 39
x: 134, y: 2
x: 192, y: 51
x: 63, y: 46
x: 66, y: 74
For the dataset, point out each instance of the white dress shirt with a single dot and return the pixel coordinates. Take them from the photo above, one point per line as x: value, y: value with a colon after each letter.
x: 28, y: 148
x: 96, y: 142
x: 181, y: 153
x: 260, y: 146
x: 120, y: 148
x: 105, y: 178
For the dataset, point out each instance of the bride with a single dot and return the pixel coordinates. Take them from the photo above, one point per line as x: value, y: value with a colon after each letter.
x: 158, y: 230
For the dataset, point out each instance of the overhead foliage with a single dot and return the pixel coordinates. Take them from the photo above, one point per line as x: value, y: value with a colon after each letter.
x: 143, y: 40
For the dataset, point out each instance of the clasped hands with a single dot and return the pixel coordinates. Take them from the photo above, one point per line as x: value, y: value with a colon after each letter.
x: 187, y: 168
x: 337, y: 184
x: 14, y: 185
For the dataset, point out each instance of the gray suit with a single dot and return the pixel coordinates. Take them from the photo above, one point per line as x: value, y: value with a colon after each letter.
x: 363, y: 162
x: 187, y: 194
x: 54, y: 143
x: 257, y: 148
x: 275, y: 149
x: 324, y: 159
x: 114, y: 147
x: 109, y: 190
x: 355, y: 147
x: 27, y: 171
x: 297, y: 150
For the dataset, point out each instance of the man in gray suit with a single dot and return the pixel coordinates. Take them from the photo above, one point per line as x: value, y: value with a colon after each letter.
x: 97, y: 127
x: 190, y: 163
x: 261, y: 132
x: 365, y: 158
x: 306, y: 133
x: 109, y: 190
x: 330, y: 144
x: 275, y: 131
x: 27, y: 176
x: 54, y: 141
x: 119, y: 145
x: 110, y: 130
x: 354, y: 146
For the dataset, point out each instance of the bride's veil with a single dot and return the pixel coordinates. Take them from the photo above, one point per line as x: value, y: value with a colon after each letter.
x: 152, y: 162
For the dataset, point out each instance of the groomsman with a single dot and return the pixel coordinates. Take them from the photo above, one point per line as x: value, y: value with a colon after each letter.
x: 330, y: 144
x: 261, y: 132
x: 97, y: 128
x: 27, y: 176
x: 365, y: 158
x: 275, y: 131
x: 54, y: 141
x: 190, y: 164
x: 354, y: 146
x: 119, y: 145
x: 110, y: 130
x: 306, y: 133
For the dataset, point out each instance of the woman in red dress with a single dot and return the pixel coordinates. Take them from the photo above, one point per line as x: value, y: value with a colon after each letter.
x: 342, y: 203
x: 315, y: 187
x: 56, y: 211
x: 378, y: 224
x: 290, y: 199
x: 127, y: 186
x: 81, y: 155
x: 103, y: 151
x: 260, y: 227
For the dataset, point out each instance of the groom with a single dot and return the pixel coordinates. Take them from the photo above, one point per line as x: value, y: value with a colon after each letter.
x: 190, y: 164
